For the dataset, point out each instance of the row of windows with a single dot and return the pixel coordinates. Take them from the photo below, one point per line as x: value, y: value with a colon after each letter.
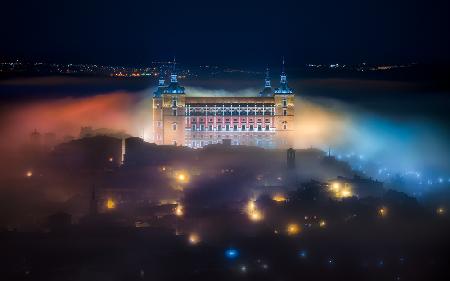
x: 234, y: 136
x: 204, y: 143
x: 228, y: 127
x: 228, y: 113
x: 235, y: 120
x: 174, y: 104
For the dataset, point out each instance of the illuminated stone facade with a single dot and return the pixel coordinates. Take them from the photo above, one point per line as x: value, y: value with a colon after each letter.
x: 266, y: 120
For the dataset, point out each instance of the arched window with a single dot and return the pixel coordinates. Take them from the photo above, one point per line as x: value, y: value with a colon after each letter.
x: 174, y: 126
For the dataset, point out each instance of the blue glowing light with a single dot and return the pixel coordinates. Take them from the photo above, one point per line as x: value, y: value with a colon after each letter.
x: 302, y: 254
x: 231, y: 253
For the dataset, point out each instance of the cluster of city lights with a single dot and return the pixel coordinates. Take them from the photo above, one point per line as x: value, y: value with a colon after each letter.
x: 340, y: 191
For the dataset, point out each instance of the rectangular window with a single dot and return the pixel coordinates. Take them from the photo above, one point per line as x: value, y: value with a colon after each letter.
x: 202, y: 127
x: 210, y: 128
x: 174, y: 112
x: 284, y: 111
x: 227, y: 127
x: 243, y: 127
x: 235, y: 127
x: 194, y: 127
x: 219, y: 127
x: 251, y: 127
x: 174, y: 126
x: 284, y: 102
x: 259, y: 127
x: 267, y: 127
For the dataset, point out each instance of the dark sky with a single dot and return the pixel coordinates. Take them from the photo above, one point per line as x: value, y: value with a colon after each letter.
x: 226, y: 32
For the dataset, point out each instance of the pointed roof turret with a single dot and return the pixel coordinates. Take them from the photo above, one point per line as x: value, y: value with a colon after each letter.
x: 173, y: 75
x: 174, y: 87
x: 161, y: 84
x: 284, y: 88
x: 267, y: 91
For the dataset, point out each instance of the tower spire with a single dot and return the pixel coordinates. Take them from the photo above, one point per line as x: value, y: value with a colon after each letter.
x: 173, y: 75
x: 161, y: 79
x: 283, y: 89
x: 267, y: 79
x: 283, y: 78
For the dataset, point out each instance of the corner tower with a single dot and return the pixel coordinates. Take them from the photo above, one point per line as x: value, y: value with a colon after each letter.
x: 284, y: 99
x: 169, y: 111
x: 267, y: 91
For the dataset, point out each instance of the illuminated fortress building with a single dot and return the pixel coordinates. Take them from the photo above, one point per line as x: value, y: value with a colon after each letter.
x: 265, y: 120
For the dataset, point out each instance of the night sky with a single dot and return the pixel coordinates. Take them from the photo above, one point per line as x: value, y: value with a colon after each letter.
x: 226, y: 32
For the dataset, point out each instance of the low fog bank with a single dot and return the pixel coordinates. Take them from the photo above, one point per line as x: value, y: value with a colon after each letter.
x: 391, y: 138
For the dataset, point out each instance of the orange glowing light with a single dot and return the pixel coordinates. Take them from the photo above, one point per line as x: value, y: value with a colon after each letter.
x: 339, y: 191
x: 440, y: 211
x: 110, y: 159
x: 256, y: 215
x: 279, y: 198
x: 194, y: 239
x: 179, y: 211
x: 29, y: 174
x: 110, y: 204
x: 252, y: 211
x: 336, y: 186
x: 182, y: 177
x: 293, y: 229
x: 322, y: 223
x: 382, y: 211
x: 346, y: 193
